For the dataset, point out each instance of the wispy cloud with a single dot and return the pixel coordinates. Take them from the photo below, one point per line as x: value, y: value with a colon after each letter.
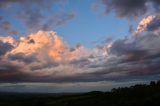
x: 34, y: 15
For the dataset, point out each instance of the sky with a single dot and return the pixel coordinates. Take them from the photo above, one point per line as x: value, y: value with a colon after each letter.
x: 78, y: 45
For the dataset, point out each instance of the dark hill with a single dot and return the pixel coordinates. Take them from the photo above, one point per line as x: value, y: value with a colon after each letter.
x: 138, y: 95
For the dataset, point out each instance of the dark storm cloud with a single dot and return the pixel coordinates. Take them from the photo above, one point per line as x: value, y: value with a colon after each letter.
x: 37, y: 14
x: 130, y: 8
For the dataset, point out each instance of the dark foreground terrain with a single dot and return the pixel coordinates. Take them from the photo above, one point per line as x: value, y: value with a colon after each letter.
x: 138, y: 95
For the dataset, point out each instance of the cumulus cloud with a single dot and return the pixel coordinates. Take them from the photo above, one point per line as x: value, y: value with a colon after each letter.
x: 46, y: 44
x: 41, y: 54
x: 45, y: 57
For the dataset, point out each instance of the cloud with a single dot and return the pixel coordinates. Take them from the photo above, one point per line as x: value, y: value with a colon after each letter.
x: 23, y: 57
x: 131, y: 8
x: 5, y: 45
x: 156, y: 4
x: 7, y: 39
x: 6, y: 27
x: 154, y: 25
x: 34, y: 15
x: 45, y: 57
x: 148, y: 24
x: 126, y: 8
x: 39, y: 55
x: 144, y: 23
x: 140, y: 56
x: 47, y: 44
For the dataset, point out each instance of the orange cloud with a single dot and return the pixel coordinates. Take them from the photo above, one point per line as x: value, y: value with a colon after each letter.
x: 45, y: 44
x: 144, y: 23
x: 7, y: 39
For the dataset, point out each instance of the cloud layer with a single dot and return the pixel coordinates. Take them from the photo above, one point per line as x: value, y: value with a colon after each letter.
x: 46, y: 57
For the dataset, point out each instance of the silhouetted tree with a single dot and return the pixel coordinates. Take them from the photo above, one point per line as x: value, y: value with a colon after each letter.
x: 152, y: 83
x: 158, y: 82
x: 138, y: 95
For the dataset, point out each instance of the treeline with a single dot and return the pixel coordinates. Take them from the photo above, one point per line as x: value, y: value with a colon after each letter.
x: 137, y: 95
x: 153, y: 86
